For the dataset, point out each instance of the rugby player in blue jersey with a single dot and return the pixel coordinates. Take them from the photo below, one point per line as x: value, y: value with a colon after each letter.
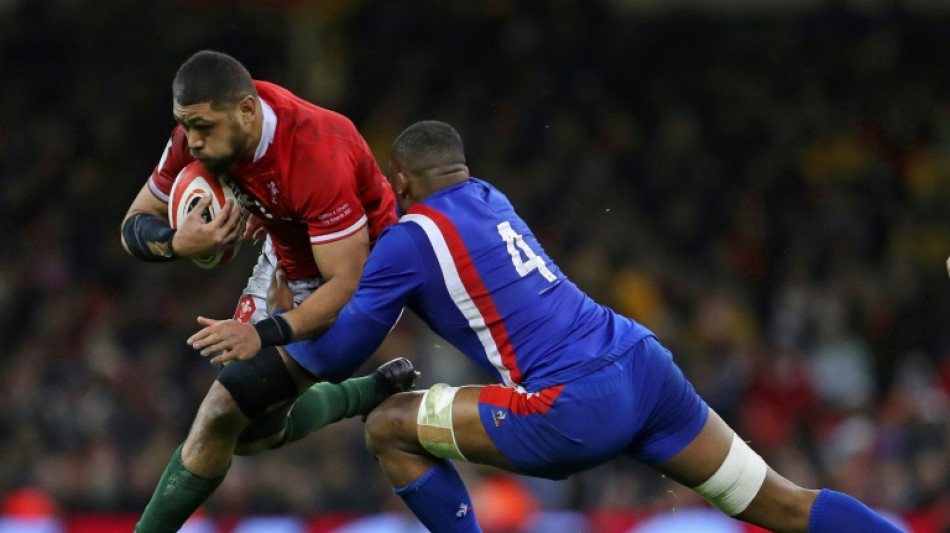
x: 578, y: 383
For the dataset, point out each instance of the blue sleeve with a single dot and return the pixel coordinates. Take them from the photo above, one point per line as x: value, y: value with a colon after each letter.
x: 392, y: 274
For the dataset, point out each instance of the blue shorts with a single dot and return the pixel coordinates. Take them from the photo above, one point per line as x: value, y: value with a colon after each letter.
x: 639, y: 406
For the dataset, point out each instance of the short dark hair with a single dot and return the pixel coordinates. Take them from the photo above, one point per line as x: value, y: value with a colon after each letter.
x: 212, y: 77
x: 428, y: 144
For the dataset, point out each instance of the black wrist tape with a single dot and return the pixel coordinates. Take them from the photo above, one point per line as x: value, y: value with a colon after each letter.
x: 148, y: 237
x: 274, y: 331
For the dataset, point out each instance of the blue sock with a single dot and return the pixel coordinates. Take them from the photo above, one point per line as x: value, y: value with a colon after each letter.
x: 834, y: 512
x: 440, y: 500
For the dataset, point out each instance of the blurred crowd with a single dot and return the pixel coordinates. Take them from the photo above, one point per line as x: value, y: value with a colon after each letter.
x: 766, y: 193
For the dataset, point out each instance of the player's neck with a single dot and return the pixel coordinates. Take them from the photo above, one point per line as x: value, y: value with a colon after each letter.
x: 257, y: 132
x: 433, y: 184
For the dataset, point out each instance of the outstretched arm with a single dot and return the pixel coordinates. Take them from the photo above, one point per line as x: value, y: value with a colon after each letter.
x: 392, y: 274
x: 340, y: 263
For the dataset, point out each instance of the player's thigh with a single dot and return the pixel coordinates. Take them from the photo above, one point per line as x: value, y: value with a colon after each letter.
x: 252, y: 305
x: 263, y: 383
x: 700, y: 459
x: 301, y: 378
x: 564, y: 429
x: 670, y: 411
x: 470, y: 434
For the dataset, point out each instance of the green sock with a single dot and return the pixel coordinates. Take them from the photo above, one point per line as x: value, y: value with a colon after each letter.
x: 179, y: 494
x: 326, y: 403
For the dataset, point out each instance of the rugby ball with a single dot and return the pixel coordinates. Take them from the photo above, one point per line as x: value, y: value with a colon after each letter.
x: 190, y: 186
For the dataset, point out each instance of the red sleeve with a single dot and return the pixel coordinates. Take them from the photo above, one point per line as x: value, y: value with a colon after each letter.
x: 174, y: 158
x: 326, y: 194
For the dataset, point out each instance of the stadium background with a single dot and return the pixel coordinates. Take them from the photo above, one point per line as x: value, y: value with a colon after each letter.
x: 762, y: 183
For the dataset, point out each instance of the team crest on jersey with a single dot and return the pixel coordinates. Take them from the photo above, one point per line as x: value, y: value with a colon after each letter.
x: 464, y: 509
x: 498, y: 416
x: 245, y: 309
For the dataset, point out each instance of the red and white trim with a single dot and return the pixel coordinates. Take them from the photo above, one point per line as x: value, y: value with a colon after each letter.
x: 156, y: 191
x: 520, y: 402
x: 268, y: 129
x: 467, y: 290
x: 161, y: 163
x: 337, y: 235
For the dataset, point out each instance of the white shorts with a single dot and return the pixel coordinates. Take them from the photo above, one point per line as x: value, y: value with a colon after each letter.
x: 252, y: 307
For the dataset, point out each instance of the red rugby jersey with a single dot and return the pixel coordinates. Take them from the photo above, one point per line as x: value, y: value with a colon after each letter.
x: 313, y: 180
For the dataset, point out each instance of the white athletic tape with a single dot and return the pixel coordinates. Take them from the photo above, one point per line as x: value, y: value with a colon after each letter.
x: 732, y: 488
x: 434, y: 422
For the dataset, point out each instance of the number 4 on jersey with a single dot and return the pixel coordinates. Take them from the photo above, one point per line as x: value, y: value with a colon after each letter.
x: 523, y: 266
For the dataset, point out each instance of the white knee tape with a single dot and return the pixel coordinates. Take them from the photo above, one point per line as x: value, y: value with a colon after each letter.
x: 732, y: 488
x: 434, y: 422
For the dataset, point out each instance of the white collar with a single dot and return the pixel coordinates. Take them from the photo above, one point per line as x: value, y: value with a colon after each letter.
x: 267, y: 130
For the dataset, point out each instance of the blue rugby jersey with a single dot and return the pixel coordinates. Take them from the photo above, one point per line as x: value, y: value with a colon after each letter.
x: 472, y: 270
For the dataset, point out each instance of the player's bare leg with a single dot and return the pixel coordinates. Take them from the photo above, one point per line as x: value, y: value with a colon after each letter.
x: 215, y: 434
x: 746, y: 488
x: 392, y: 436
x: 221, y: 429
x: 210, y: 444
x: 779, y: 504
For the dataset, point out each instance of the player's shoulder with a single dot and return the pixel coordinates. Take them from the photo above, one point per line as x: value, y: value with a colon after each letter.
x: 405, y: 231
x: 396, y: 241
x: 176, y: 150
x: 303, y: 115
x: 178, y: 139
x: 174, y: 157
x: 472, y: 199
x: 276, y: 95
x: 402, y: 229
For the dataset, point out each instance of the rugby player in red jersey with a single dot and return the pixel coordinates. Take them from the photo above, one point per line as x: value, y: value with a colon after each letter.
x: 311, y: 181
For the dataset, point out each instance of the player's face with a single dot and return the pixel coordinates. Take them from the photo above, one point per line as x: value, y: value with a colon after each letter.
x: 215, y: 137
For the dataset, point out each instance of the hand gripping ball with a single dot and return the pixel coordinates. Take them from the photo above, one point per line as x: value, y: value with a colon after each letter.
x: 191, y: 184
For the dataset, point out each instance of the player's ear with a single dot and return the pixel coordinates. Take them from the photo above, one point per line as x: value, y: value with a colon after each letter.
x: 248, y: 109
x: 399, y: 181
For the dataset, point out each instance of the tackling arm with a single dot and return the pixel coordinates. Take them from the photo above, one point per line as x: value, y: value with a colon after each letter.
x: 392, y: 275
x: 341, y: 262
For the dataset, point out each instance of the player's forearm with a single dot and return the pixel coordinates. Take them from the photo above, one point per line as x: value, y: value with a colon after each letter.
x: 145, y: 232
x: 148, y: 237
x: 341, y: 350
x: 319, y: 311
